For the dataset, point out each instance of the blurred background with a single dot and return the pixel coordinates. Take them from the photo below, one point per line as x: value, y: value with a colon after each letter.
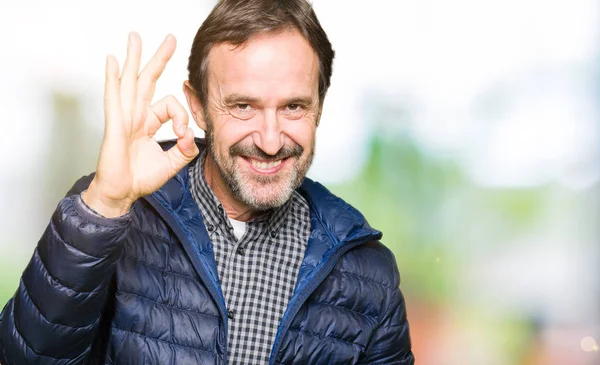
x: 467, y: 131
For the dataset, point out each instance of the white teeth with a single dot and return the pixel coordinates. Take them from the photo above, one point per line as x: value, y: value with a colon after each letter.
x: 265, y: 165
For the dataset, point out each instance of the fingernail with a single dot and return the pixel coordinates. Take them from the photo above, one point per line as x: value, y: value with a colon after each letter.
x: 182, y: 130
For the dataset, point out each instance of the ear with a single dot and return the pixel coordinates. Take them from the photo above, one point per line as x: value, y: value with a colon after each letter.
x: 194, y: 104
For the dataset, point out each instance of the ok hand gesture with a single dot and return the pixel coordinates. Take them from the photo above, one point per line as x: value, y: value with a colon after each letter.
x: 131, y: 163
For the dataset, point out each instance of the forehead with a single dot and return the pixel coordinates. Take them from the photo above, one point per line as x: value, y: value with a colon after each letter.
x: 270, y: 65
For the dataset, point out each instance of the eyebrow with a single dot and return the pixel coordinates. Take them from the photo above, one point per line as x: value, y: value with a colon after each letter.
x: 241, y: 98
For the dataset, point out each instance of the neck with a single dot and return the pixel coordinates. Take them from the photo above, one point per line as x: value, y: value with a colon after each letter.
x: 234, y: 208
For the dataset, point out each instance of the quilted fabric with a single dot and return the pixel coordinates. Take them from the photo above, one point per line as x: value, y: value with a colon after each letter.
x: 143, y: 289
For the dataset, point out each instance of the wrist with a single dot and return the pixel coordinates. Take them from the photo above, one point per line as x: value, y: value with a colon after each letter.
x: 106, y: 207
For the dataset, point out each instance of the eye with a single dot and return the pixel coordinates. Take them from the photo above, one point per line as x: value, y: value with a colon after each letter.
x: 294, y: 111
x: 242, y: 110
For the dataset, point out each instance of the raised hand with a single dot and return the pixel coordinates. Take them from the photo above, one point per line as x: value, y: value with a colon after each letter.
x: 131, y: 163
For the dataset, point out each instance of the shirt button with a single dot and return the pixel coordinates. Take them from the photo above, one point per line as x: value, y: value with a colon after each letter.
x: 210, y: 227
x: 231, y: 314
x: 241, y: 251
x: 273, y: 234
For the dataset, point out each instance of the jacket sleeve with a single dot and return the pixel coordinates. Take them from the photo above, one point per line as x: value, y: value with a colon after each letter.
x: 390, y: 344
x: 55, y: 312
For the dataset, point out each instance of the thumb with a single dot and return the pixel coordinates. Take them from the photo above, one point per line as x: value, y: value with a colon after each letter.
x: 184, y: 151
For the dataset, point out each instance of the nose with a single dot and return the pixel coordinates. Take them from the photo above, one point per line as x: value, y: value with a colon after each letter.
x: 269, y: 136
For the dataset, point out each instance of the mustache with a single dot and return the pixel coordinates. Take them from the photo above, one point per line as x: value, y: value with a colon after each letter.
x: 253, y: 151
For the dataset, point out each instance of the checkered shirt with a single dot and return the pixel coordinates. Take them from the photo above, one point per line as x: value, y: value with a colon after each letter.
x: 257, y: 273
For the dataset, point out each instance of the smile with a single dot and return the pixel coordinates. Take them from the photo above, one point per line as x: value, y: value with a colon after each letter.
x: 264, y: 167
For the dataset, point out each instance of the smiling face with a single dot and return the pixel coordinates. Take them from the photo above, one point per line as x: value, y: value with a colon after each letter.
x: 260, y: 117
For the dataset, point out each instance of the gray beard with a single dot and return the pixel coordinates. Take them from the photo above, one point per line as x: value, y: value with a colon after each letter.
x: 235, y: 181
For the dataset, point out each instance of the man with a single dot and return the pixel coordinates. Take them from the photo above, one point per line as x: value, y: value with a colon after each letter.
x: 216, y: 251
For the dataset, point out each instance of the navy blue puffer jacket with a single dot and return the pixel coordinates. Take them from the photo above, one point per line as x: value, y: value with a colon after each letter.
x: 143, y: 289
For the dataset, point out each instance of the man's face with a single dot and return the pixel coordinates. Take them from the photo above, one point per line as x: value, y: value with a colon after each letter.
x: 261, y: 116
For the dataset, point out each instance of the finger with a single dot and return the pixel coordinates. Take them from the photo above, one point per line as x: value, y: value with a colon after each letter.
x: 184, y: 151
x: 129, y: 76
x: 112, y: 102
x: 168, y: 108
x: 153, y: 70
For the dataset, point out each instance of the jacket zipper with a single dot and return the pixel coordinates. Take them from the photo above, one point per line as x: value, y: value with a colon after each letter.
x: 203, y: 274
x: 298, y: 300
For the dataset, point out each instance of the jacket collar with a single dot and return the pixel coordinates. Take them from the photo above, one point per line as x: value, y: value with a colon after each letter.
x: 342, y: 222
